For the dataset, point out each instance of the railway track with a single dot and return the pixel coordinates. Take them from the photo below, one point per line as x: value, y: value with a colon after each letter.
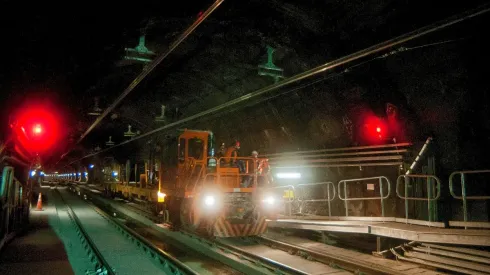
x: 271, y: 265
x: 274, y: 256
x: 97, y: 232
x: 98, y: 263
x: 197, y: 261
x: 228, y: 253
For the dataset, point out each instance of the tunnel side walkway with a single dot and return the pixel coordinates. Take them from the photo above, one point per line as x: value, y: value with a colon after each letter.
x: 39, y: 250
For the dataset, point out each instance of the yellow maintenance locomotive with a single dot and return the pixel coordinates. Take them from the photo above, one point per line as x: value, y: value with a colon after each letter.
x: 223, y: 197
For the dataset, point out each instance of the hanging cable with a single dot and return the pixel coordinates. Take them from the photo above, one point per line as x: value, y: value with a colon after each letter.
x: 148, y: 69
x: 331, y: 76
x: 320, y: 69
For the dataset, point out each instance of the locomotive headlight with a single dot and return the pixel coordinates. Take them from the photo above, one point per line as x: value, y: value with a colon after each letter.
x: 209, y: 200
x: 269, y: 200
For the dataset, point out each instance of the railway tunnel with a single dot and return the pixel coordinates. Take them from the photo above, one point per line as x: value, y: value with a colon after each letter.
x: 384, y: 149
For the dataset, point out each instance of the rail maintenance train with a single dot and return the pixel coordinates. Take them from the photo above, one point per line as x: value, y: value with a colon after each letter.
x: 208, y: 195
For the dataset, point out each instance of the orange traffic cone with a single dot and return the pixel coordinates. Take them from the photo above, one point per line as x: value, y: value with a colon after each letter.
x: 39, y: 203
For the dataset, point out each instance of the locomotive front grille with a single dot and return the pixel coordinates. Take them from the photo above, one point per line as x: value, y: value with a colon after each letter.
x: 238, y: 206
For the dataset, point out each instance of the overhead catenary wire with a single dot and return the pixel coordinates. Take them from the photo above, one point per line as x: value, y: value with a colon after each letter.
x: 349, y: 69
x: 150, y: 67
x: 320, y: 69
x: 147, y: 70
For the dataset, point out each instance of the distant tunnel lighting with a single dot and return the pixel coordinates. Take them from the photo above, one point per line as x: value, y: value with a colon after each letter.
x: 288, y: 175
x: 33, y: 173
x: 114, y: 173
x: 91, y: 166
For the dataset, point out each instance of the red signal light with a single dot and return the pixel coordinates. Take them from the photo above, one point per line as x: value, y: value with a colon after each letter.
x: 375, y: 130
x: 37, y: 129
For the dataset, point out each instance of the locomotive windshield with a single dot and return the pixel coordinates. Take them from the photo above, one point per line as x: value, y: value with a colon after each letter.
x: 196, y: 148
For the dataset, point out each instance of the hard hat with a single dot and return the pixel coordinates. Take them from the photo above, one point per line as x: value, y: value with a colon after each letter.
x: 237, y: 144
x: 255, y: 153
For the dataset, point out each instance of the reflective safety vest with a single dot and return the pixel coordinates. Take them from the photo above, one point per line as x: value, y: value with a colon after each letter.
x: 231, y: 155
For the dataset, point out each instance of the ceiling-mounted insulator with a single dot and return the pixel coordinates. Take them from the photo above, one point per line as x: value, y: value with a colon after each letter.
x: 269, y: 68
x: 161, y: 118
x: 129, y: 133
x: 139, y: 53
x: 96, y: 111
x: 109, y: 142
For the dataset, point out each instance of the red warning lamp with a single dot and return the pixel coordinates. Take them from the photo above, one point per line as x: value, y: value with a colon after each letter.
x: 378, y: 130
x: 375, y: 130
x: 37, y: 129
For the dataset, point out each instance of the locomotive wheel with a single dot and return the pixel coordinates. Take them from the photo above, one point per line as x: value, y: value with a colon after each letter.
x: 172, y: 209
x: 188, y: 215
x: 184, y: 213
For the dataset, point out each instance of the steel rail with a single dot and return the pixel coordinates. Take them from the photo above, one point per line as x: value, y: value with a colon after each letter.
x: 270, y: 264
x: 103, y: 264
x: 170, y: 263
x: 150, y: 67
x: 349, y: 264
x: 178, y: 267
x: 320, y: 69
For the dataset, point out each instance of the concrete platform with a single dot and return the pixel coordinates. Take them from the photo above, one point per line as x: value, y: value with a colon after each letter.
x: 412, y: 232
x: 39, y: 251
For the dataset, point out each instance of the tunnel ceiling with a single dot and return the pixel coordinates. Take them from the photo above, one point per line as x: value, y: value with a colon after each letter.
x: 218, y: 62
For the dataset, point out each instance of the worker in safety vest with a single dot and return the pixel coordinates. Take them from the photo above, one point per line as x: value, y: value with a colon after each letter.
x: 232, y: 154
x: 263, y: 170
x: 231, y: 157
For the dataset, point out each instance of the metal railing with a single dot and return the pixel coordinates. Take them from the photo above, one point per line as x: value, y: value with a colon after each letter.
x: 381, y: 196
x: 247, y: 167
x: 378, y: 155
x: 430, y: 197
x: 329, y: 196
x: 463, y: 196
